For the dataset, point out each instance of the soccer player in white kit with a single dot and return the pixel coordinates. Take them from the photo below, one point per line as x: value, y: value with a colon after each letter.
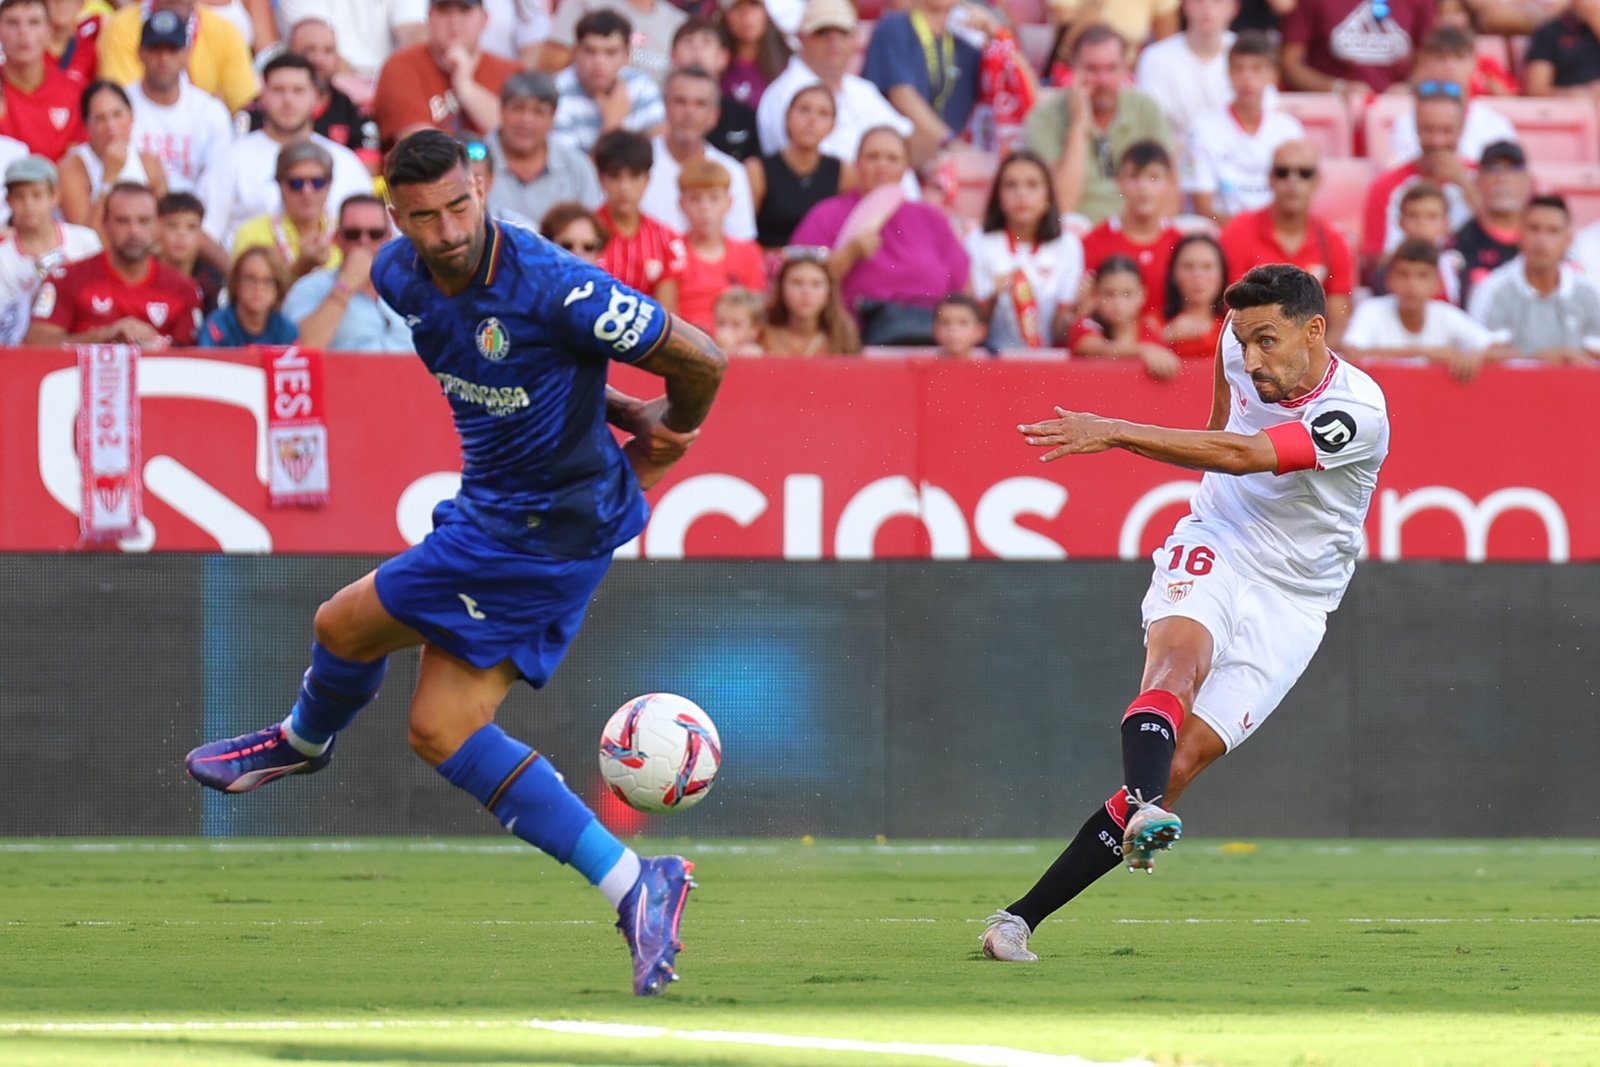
x: 1242, y: 589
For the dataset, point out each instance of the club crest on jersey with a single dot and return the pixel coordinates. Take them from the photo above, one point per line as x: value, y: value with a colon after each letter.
x: 44, y: 305
x: 157, y: 312
x: 100, y: 305
x: 493, y: 340
x: 1176, y: 591
x: 59, y: 117
x: 1333, y: 430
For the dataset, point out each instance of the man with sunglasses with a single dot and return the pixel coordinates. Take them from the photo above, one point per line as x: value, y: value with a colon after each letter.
x: 302, y: 233
x: 1440, y: 113
x: 1352, y: 47
x: 337, y: 308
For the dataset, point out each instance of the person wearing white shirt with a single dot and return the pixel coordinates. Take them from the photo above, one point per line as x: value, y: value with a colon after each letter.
x: 1448, y: 54
x: 1551, y: 311
x: 180, y: 125
x: 1412, y: 323
x: 38, y: 245
x: 240, y: 183
x: 1025, y: 267
x: 1187, y: 73
x: 1228, y: 151
x: 368, y: 31
x: 692, y: 97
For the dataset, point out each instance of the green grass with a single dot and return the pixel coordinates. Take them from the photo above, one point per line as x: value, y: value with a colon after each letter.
x: 1358, y: 953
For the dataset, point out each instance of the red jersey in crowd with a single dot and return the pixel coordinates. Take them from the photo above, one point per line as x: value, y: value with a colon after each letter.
x: 1107, y: 240
x: 651, y: 255
x: 90, y: 293
x: 46, y: 119
x: 741, y: 264
x: 1249, y: 241
x: 81, y: 56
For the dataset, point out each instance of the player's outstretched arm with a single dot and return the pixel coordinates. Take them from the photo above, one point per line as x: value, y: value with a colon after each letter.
x: 693, y: 367
x: 1080, y: 433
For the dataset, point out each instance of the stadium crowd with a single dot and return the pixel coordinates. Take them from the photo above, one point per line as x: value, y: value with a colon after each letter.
x: 809, y: 177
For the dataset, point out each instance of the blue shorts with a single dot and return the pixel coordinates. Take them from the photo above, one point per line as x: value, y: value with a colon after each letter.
x: 484, y: 602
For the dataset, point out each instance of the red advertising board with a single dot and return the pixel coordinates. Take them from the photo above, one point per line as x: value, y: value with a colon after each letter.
x: 809, y: 459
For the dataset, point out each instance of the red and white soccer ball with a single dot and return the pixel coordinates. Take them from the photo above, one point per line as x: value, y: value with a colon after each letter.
x: 660, y: 753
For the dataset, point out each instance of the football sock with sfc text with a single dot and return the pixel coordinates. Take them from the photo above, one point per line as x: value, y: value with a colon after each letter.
x: 1094, y: 852
x: 1149, y: 738
x: 332, y: 691
x: 530, y: 798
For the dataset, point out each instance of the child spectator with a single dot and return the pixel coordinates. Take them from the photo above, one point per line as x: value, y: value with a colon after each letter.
x: 1229, y: 150
x: 805, y: 316
x: 178, y: 241
x: 739, y: 317
x: 1425, y: 216
x: 1144, y: 178
x: 1489, y: 76
x: 642, y: 252
x: 958, y: 326
x: 257, y: 284
x: 1118, y: 325
x: 1410, y: 322
x: 713, y: 262
x: 1193, y: 310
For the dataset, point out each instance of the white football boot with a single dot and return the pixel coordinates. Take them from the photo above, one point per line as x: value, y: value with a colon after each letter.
x: 1005, y: 938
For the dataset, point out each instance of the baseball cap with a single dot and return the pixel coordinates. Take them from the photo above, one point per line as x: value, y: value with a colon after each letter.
x: 164, y: 29
x: 32, y: 169
x: 302, y: 152
x: 530, y: 85
x: 1503, y: 152
x: 828, y: 14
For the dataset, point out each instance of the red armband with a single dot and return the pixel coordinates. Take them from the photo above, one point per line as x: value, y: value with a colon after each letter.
x: 1292, y: 442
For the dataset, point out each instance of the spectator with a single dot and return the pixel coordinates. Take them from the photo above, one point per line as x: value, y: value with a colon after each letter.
x: 1447, y: 56
x: 446, y: 81
x: 797, y: 177
x: 642, y: 252
x: 219, y: 59
x: 1489, y: 75
x: 576, y: 229
x: 600, y: 92
x: 739, y: 317
x: 1230, y: 149
x: 1261, y: 15
x: 90, y: 170
x: 1193, y: 312
x: 959, y: 326
x: 895, y: 258
x: 74, y: 36
x: 172, y: 120
x: 254, y: 316
x: 1117, y: 326
x: 805, y: 316
x: 691, y: 114
x: 125, y: 295
x: 1506, y: 18
x: 367, y: 31
x: 241, y: 182
x: 652, y: 22
x: 1439, y: 110
x: 533, y: 172
x: 1135, y: 21
x: 179, y: 240
x: 698, y: 43
x: 1084, y: 131
x: 1425, y: 216
x: 40, y: 101
x: 301, y: 231
x: 37, y: 245
x: 335, y: 115
x: 1412, y: 323
x: 758, y: 51
x: 1140, y: 233
x: 1551, y: 312
x: 481, y: 166
x: 827, y: 43
x: 337, y: 308
x: 713, y: 262
x: 1563, y: 57
x: 1187, y: 73
x: 517, y: 30
x: 1285, y: 231
x: 928, y: 73
x: 1493, y: 235
x: 1025, y: 268
x: 1351, y: 47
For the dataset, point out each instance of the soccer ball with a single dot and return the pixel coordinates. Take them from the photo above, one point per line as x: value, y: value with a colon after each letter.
x: 660, y: 753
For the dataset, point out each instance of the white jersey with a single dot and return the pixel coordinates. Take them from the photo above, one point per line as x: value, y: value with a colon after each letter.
x: 22, y: 274
x: 183, y: 135
x: 1299, y: 531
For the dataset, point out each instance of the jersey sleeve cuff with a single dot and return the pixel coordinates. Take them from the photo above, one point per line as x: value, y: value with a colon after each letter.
x: 1292, y: 442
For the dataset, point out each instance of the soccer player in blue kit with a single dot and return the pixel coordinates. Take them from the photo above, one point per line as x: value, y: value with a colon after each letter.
x: 518, y: 334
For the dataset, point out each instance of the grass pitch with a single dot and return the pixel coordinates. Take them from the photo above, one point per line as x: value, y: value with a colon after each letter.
x: 481, y: 952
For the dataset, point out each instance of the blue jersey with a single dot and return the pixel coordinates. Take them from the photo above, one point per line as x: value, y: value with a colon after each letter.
x: 521, y: 356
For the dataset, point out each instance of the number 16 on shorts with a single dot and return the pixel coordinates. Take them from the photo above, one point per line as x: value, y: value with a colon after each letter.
x: 1185, y: 563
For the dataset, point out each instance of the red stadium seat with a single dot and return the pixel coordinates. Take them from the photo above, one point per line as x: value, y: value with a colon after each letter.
x: 870, y: 10
x: 1026, y: 12
x: 1342, y: 194
x: 1326, y: 119
x: 1378, y: 120
x: 974, y: 175
x: 1577, y: 183
x: 1556, y: 129
x: 1036, y: 41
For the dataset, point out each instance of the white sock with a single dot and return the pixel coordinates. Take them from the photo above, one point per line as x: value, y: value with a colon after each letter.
x: 615, y: 885
x: 300, y: 744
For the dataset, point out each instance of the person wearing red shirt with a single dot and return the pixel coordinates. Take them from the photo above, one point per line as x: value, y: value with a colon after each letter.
x: 715, y: 263
x: 124, y: 294
x: 1144, y: 178
x: 642, y: 252
x: 1286, y: 232
x: 41, y: 100
x: 74, y: 39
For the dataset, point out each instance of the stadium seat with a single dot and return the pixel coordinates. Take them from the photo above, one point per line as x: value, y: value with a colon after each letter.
x: 1342, y: 194
x: 1556, y: 129
x: 974, y: 174
x: 1326, y: 119
x: 1577, y: 183
x: 870, y: 10
x: 1036, y: 41
x: 1378, y: 120
x: 1026, y: 12
x: 1493, y: 47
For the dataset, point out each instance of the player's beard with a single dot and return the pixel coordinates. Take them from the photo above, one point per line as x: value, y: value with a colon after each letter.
x: 457, y: 261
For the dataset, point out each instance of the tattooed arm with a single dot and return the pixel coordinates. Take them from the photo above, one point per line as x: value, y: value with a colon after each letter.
x: 665, y: 427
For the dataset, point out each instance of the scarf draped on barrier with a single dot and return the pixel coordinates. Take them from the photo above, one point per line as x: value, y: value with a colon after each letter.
x: 108, y: 443
x: 297, y: 435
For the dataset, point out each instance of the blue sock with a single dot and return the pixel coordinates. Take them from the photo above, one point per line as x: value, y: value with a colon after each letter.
x: 531, y: 799
x: 331, y: 693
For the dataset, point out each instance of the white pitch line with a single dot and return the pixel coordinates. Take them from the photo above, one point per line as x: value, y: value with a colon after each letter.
x: 975, y: 1055
x: 805, y: 921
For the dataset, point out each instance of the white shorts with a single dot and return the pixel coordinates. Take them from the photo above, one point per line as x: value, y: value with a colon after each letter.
x: 1262, y: 638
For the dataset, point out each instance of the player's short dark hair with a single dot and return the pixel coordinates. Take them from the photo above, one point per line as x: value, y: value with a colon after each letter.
x: 1457, y: 41
x: 961, y: 300
x: 288, y: 61
x: 179, y: 204
x: 1253, y: 43
x: 1295, y: 292
x: 1550, y: 200
x: 603, y: 23
x: 423, y: 157
x: 1146, y: 153
x: 697, y: 24
x: 1416, y: 250
x: 94, y: 89
x: 1423, y: 191
x: 359, y: 199
x: 623, y: 150
x: 1099, y: 33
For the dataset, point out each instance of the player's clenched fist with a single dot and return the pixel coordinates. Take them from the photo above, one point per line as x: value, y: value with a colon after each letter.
x: 1070, y: 433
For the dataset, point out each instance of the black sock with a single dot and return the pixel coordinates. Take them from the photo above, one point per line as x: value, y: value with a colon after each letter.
x: 1148, y: 742
x: 1096, y: 850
